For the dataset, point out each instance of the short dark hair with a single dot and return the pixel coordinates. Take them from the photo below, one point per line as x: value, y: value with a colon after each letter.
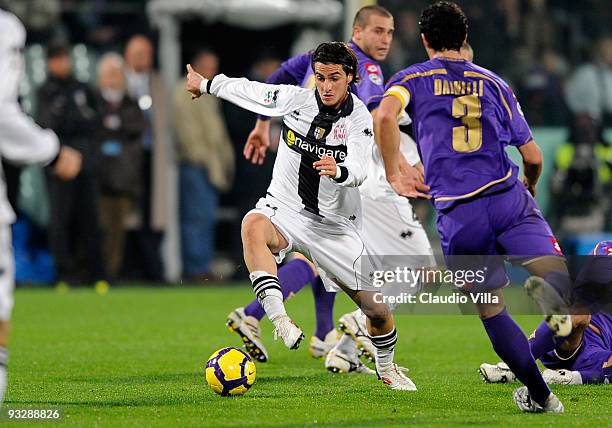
x: 57, y: 49
x: 363, y: 15
x: 336, y: 53
x: 444, y: 25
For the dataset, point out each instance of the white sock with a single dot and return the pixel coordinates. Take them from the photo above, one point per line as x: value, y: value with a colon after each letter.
x: 385, y: 345
x: 3, y: 374
x: 347, y: 345
x: 268, y: 291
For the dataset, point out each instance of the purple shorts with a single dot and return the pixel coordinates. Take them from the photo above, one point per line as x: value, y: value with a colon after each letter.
x: 506, y: 223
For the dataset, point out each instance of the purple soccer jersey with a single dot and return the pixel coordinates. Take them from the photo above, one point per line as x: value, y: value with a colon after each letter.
x: 593, y: 359
x: 463, y: 117
x: 298, y: 71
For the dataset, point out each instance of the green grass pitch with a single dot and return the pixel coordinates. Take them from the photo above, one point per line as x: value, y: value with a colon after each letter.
x: 135, y: 357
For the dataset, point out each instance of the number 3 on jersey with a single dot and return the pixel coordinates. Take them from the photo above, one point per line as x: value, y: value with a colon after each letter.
x: 467, y: 138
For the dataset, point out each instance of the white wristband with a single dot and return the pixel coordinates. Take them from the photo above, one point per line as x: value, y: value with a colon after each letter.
x: 338, y: 172
x: 203, y: 85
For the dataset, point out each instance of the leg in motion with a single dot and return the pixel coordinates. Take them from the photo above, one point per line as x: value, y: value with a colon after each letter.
x: 261, y: 240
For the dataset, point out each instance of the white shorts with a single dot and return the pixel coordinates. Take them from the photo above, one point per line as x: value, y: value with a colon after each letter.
x: 395, y: 238
x: 336, y: 249
x: 7, y: 273
x: 389, y: 228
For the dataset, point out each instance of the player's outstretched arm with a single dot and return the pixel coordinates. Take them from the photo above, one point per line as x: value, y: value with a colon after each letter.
x: 22, y: 141
x: 260, y: 98
x: 405, y: 181
x: 532, y: 165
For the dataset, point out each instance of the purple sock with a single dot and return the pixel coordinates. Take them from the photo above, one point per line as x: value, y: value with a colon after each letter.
x: 512, y: 346
x: 543, y: 341
x: 324, y: 306
x: 293, y: 276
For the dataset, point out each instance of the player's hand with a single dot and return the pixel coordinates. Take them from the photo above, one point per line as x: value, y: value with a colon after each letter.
x: 409, y: 170
x: 326, y: 166
x: 68, y: 163
x: 531, y: 187
x: 258, y: 142
x: 409, y: 187
x: 194, y: 79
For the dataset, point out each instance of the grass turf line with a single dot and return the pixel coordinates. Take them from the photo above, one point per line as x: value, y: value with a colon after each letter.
x: 135, y: 357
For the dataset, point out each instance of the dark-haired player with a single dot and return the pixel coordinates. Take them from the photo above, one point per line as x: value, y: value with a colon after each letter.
x: 463, y: 118
x: 313, y: 205
x: 389, y: 225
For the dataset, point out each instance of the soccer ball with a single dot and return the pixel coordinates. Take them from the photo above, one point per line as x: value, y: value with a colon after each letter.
x: 230, y: 371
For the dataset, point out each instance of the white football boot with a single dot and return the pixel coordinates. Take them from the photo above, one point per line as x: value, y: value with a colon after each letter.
x: 247, y: 328
x: 288, y: 331
x: 339, y: 362
x: 552, y: 305
x: 526, y: 404
x: 395, y: 378
x: 498, y: 373
x: 319, y: 348
x: 562, y: 377
x: 354, y: 325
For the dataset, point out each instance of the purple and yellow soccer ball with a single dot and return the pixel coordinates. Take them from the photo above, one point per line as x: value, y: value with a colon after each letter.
x: 230, y: 371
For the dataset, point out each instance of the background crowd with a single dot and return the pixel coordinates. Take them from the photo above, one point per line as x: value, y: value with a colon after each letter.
x: 91, y: 77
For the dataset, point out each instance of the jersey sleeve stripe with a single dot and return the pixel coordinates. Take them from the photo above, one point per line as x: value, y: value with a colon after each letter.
x: 425, y: 74
x: 400, y: 93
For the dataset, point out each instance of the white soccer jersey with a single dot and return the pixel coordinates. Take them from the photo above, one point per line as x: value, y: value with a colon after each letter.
x: 21, y: 140
x: 376, y: 185
x: 12, y: 41
x: 311, y: 130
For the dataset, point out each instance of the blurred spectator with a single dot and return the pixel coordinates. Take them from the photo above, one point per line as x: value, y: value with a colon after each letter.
x: 119, y: 139
x: 539, y: 29
x: 589, y: 90
x: 147, y: 88
x: 40, y: 17
x: 582, y: 180
x: 206, y: 168
x: 68, y: 107
x: 407, y: 47
x: 489, y: 33
x: 541, y: 91
x: 104, y: 25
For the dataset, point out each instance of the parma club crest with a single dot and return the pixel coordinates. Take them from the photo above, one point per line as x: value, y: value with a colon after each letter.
x: 319, y: 132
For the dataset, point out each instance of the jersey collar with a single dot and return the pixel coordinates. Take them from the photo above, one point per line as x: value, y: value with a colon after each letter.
x: 345, y: 109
